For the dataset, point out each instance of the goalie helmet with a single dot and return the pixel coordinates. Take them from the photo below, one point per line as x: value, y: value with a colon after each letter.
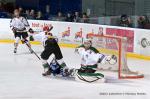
x: 87, y: 43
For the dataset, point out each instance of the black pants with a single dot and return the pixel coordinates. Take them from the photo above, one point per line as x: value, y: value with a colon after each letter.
x: 48, y: 51
x: 23, y: 35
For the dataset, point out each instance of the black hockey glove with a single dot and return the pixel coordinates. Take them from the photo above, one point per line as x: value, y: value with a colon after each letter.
x: 14, y: 30
x: 31, y: 31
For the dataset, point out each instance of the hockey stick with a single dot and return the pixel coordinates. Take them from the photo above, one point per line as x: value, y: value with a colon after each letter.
x: 32, y: 50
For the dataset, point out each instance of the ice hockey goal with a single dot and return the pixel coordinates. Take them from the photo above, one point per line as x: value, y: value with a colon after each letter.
x: 113, y: 45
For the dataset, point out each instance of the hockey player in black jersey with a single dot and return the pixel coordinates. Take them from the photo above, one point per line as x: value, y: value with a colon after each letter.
x: 51, y: 47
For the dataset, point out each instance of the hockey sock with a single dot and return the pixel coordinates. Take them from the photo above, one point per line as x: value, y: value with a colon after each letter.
x: 46, y: 69
x: 15, y: 47
x: 61, y: 63
x: 46, y: 65
x: 17, y: 39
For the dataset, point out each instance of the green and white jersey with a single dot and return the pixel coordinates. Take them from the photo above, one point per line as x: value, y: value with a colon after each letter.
x: 89, y: 56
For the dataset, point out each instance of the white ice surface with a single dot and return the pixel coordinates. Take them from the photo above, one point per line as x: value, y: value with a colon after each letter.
x: 20, y: 78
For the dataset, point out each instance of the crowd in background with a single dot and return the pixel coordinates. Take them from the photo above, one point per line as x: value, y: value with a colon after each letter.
x: 125, y: 20
x: 38, y: 15
x: 143, y: 21
x: 69, y: 17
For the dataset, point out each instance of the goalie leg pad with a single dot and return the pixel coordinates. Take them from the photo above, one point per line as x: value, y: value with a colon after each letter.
x: 90, y: 77
x: 86, y: 70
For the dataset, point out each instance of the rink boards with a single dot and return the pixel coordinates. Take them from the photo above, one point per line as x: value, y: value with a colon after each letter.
x: 106, y: 51
x: 71, y: 35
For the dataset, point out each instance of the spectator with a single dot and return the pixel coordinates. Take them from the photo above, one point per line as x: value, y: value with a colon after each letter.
x: 21, y: 12
x: 143, y: 22
x: 85, y: 18
x: 3, y: 10
x: 125, y: 21
x: 1, y: 7
x: 69, y: 18
x: 32, y: 14
x: 47, y: 15
x: 8, y: 7
x: 60, y: 17
x: 76, y: 17
x: 27, y: 14
x: 39, y: 16
x: 147, y: 26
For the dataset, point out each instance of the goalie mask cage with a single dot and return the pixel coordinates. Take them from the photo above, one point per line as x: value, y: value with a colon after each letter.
x: 114, y: 45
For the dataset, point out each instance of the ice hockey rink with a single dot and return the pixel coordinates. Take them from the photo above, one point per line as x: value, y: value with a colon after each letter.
x: 20, y: 78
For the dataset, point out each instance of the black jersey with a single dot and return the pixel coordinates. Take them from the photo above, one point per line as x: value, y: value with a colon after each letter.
x: 51, y: 47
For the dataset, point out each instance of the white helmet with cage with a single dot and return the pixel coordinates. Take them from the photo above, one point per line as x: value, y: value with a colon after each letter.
x: 87, y: 43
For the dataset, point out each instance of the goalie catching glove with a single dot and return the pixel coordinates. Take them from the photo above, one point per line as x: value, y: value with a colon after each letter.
x: 108, y: 59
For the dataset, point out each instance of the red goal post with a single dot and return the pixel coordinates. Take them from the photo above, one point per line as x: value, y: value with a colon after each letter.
x: 119, y: 46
